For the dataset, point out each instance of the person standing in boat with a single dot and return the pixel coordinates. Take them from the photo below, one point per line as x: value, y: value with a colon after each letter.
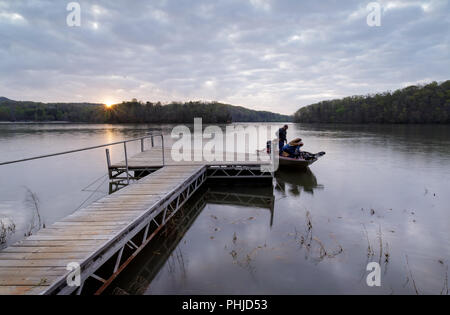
x: 282, y: 137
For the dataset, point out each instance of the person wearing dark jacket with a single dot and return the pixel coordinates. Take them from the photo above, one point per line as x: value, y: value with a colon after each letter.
x: 282, y: 137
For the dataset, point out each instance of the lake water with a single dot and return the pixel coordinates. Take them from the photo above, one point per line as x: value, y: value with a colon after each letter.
x: 381, y: 194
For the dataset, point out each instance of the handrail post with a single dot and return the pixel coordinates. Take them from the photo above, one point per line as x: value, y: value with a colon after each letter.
x: 163, y: 154
x: 153, y: 142
x: 142, y: 145
x: 126, y: 162
x: 108, y: 158
x: 108, y: 162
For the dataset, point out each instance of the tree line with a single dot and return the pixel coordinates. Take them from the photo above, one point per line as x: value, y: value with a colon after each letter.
x: 415, y: 104
x: 133, y: 112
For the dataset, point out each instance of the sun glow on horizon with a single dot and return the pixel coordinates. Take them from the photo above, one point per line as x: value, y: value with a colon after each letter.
x: 109, y: 104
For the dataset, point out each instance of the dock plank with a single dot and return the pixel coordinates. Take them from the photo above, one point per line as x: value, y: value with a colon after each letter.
x: 29, y: 281
x: 36, y: 263
x: 50, y: 250
x: 68, y: 243
x: 42, y: 256
x: 21, y: 290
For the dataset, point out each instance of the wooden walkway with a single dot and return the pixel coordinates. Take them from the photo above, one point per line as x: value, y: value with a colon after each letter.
x: 37, y: 264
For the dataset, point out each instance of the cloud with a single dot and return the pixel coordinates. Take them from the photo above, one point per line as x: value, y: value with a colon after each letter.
x: 261, y: 4
x: 262, y: 54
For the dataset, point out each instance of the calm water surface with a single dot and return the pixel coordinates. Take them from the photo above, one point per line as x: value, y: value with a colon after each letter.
x: 380, y: 194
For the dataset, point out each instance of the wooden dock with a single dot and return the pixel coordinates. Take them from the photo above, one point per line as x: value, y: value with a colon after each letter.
x: 105, y: 236
x: 155, y: 158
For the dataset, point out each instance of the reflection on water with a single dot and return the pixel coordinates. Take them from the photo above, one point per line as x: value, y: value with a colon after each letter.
x: 221, y: 243
x: 165, y: 251
x: 296, y: 182
x: 379, y: 195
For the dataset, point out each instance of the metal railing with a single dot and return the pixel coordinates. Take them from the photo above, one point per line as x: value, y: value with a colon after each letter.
x: 97, y: 147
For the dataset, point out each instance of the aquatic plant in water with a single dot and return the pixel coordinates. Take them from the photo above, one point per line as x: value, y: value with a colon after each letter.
x: 36, y: 222
x: 7, y: 228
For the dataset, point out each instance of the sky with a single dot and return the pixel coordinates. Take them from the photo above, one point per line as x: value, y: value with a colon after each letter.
x: 275, y: 55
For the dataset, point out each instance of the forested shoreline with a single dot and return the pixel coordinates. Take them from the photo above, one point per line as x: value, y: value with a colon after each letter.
x: 423, y: 104
x: 418, y: 104
x: 132, y: 112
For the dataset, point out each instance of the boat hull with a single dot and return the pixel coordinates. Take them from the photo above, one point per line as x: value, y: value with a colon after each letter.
x: 286, y: 162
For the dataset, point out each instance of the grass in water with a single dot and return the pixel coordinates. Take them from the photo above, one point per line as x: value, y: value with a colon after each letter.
x: 32, y: 203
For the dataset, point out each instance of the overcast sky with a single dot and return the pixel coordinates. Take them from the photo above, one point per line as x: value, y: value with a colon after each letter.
x: 272, y: 55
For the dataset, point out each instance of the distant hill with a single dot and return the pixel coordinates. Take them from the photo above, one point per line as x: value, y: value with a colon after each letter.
x: 133, y: 112
x: 412, y: 105
x: 4, y: 99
